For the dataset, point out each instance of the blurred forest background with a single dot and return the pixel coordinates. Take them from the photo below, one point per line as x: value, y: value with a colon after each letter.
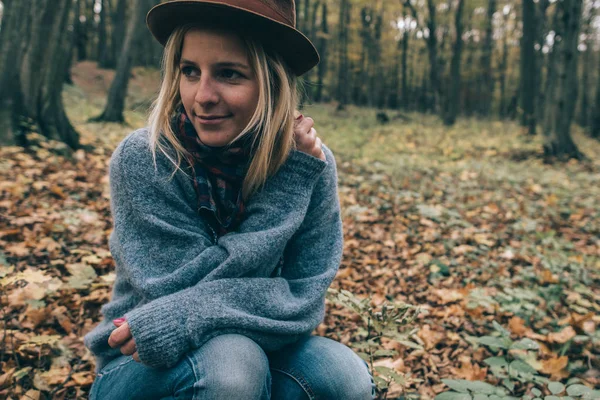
x: 467, y: 137
x: 534, y: 61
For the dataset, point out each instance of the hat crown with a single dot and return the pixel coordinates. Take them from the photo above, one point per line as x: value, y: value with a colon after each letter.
x: 286, y: 9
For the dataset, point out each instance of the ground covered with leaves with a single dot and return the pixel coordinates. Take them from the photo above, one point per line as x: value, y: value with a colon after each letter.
x: 500, y: 252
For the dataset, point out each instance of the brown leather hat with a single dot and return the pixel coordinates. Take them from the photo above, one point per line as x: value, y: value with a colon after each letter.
x: 273, y: 22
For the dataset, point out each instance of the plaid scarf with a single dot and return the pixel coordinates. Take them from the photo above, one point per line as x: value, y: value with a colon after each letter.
x: 218, y: 174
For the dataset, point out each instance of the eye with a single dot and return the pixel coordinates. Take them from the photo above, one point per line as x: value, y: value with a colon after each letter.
x: 189, y: 71
x: 230, y: 74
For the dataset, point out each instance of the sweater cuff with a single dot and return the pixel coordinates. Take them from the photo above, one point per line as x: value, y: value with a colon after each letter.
x: 160, y: 334
x: 300, y: 170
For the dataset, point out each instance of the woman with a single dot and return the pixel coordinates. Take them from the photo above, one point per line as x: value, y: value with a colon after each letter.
x: 227, y: 229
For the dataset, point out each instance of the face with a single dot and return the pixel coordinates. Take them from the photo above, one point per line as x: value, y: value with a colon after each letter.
x: 218, y: 88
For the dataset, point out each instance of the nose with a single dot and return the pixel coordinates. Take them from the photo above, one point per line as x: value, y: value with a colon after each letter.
x: 206, y: 92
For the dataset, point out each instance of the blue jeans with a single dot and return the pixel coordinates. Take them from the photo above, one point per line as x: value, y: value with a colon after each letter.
x: 234, y: 367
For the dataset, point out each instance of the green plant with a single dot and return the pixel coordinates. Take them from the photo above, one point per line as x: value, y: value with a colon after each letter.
x: 390, y: 320
x: 518, y: 362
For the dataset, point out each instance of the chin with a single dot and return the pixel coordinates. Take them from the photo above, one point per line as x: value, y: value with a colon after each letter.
x: 210, y: 140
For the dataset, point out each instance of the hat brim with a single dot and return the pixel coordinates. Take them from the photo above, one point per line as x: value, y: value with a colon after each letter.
x: 295, y: 48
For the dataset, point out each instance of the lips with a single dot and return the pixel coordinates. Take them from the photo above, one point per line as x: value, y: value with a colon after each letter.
x: 211, y: 117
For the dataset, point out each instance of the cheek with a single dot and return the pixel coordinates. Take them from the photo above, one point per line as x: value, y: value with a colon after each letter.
x: 247, y: 101
x: 185, y: 93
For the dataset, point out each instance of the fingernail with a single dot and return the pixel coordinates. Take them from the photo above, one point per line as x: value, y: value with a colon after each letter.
x: 118, y: 321
x: 299, y: 117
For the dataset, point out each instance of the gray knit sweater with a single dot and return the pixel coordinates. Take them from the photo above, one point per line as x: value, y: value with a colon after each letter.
x: 178, y: 285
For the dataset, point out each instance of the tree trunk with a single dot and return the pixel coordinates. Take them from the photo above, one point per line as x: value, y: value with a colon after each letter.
x: 540, y: 58
x: 115, y: 104
x: 584, y: 105
x: 33, y: 65
x: 528, y: 68
x: 453, y: 98
x: 433, y: 59
x: 405, y: 39
x: 502, y: 69
x: 323, y: 39
x: 118, y: 32
x: 486, y: 62
x: 343, y: 86
x: 306, y: 15
x: 595, y: 123
x: 562, y: 93
x: 103, y: 50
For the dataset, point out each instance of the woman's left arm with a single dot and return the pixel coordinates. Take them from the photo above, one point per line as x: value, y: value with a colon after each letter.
x: 271, y: 311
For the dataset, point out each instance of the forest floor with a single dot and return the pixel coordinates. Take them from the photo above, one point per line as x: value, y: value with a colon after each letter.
x: 465, y: 222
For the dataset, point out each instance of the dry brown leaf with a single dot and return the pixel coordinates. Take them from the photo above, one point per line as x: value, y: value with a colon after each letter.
x: 563, y: 336
x: 517, y: 326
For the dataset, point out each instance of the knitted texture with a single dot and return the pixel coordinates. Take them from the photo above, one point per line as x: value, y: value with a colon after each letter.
x: 178, y: 285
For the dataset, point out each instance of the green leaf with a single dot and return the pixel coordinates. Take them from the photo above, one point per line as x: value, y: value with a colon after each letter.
x: 380, y: 382
x: 411, y: 345
x: 364, y: 356
x: 508, y: 384
x: 460, y: 385
x: 526, y: 344
x: 522, y: 368
x: 536, y: 392
x: 499, y: 362
x: 501, y: 329
x: 21, y: 373
x: 551, y: 398
x: 556, y: 387
x: 492, y: 341
x: 385, y: 353
x: 480, y: 396
x: 453, y: 396
x: 577, y: 390
x: 383, y: 370
x: 481, y: 387
x: 592, y: 394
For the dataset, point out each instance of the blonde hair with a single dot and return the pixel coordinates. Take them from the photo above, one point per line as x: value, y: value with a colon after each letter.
x: 273, y: 119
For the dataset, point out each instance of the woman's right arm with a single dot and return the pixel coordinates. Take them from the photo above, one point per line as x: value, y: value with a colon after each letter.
x: 162, y: 246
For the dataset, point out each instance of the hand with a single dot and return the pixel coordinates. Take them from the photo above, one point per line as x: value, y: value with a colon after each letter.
x: 306, y: 137
x: 121, y: 337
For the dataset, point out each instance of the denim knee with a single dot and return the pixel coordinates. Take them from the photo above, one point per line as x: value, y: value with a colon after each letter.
x: 231, y: 366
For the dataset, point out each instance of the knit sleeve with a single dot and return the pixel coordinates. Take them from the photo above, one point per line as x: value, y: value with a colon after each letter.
x: 271, y: 311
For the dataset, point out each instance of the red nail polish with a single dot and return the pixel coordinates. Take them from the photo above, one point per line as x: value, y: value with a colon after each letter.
x: 118, y: 321
x: 299, y: 117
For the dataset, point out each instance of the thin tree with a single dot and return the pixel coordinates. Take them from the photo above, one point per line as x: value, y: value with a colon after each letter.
x: 584, y: 104
x: 433, y: 57
x: 453, y: 98
x: 322, y: 44
x: 486, y: 61
x: 117, y: 36
x: 595, y: 123
x: 528, y: 67
x: 561, y: 92
x: 343, y: 83
x: 503, y: 67
x: 115, y: 104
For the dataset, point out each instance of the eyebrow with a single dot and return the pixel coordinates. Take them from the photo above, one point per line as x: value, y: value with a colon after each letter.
x: 220, y: 64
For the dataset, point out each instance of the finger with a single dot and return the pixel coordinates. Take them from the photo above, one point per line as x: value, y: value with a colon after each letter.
x: 129, y: 347
x: 318, y: 149
x: 306, y: 141
x: 136, y: 356
x: 119, y: 336
x: 304, y: 125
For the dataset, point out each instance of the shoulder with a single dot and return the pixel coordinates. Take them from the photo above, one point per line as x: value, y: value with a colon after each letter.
x: 135, y: 156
